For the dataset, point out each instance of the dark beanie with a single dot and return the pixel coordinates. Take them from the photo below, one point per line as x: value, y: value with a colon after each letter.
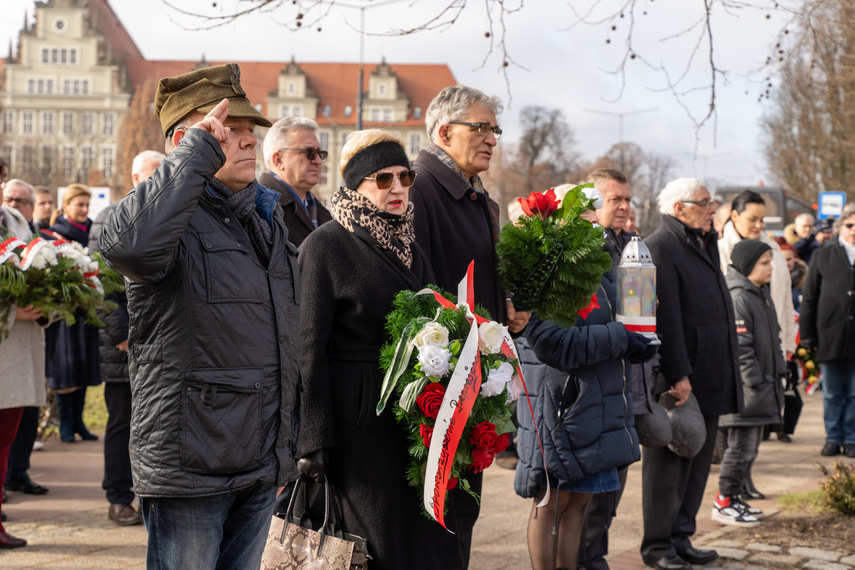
x: 746, y: 253
x: 373, y: 158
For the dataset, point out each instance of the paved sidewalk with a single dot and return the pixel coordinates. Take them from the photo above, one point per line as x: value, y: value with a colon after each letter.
x: 69, y: 528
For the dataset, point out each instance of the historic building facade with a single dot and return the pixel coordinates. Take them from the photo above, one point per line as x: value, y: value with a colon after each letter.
x: 68, y: 86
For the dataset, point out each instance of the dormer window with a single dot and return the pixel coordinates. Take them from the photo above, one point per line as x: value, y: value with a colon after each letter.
x: 381, y: 89
x: 348, y: 110
x: 417, y: 113
x: 292, y: 88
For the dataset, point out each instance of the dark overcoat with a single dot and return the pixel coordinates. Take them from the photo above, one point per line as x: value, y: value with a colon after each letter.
x: 695, y: 316
x: 296, y: 219
x: 114, y: 362
x: 71, y: 351
x: 456, y: 224
x: 348, y: 286
x: 760, y: 359
x: 827, y: 318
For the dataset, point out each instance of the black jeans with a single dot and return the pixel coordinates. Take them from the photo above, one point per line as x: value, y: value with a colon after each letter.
x: 22, y: 447
x: 118, y: 481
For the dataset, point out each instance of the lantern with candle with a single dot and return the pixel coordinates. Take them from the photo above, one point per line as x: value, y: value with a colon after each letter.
x: 636, y: 301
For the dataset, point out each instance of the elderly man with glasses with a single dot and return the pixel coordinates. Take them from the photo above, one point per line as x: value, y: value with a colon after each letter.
x: 699, y: 355
x: 19, y: 194
x: 294, y: 158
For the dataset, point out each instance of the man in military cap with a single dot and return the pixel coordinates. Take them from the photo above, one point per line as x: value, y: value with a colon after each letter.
x: 212, y: 298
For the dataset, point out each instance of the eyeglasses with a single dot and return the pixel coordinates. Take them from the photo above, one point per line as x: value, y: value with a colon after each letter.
x: 701, y: 203
x: 484, y: 129
x: 384, y: 179
x: 16, y: 201
x: 311, y: 152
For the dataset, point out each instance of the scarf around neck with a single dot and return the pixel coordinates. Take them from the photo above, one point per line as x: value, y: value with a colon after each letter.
x: 242, y: 205
x: 395, y: 233
x: 443, y: 156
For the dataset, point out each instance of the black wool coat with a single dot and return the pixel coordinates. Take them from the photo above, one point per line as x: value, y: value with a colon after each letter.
x: 114, y: 362
x: 348, y: 283
x: 827, y: 318
x: 71, y: 351
x: 454, y: 225
x: 695, y: 317
x: 296, y: 220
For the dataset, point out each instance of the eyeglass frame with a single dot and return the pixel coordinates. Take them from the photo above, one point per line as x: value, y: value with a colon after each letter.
x: 497, y: 132
x: 701, y: 203
x: 410, y: 174
x: 17, y: 201
x: 314, y: 151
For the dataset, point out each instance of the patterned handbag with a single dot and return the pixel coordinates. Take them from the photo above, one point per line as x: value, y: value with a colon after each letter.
x: 292, y: 544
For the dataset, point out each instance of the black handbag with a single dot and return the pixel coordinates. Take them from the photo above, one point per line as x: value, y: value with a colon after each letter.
x: 792, y: 408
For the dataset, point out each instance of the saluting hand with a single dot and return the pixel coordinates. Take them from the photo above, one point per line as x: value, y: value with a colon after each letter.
x: 213, y: 124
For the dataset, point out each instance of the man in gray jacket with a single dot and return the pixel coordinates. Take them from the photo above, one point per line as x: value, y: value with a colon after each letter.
x: 212, y: 289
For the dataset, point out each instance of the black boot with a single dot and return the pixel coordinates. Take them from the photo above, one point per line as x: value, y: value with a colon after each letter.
x: 79, y: 427
x: 65, y: 405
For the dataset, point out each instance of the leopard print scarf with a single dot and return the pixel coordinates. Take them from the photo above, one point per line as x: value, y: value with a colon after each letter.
x: 395, y: 233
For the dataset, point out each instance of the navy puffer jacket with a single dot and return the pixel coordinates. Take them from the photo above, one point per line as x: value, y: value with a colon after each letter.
x: 578, y: 381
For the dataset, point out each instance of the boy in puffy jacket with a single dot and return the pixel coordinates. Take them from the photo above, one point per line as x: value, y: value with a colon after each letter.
x: 762, y: 366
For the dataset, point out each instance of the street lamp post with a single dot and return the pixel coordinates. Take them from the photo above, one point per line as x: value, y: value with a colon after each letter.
x: 620, y: 117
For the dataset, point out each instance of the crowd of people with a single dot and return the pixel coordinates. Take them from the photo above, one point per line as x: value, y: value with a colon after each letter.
x: 244, y: 352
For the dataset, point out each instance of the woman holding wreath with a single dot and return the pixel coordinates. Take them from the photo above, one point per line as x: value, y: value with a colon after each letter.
x: 351, y: 270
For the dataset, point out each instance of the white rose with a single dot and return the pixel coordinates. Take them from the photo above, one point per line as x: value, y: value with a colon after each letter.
x: 515, y: 388
x: 491, y: 334
x: 497, y: 379
x: 432, y: 334
x: 44, y: 256
x: 434, y: 360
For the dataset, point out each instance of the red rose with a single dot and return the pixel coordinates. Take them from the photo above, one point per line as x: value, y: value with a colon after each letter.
x: 502, y: 443
x: 481, y: 459
x: 594, y: 304
x: 426, y: 432
x: 452, y: 483
x: 431, y: 398
x: 539, y: 203
x: 483, y: 435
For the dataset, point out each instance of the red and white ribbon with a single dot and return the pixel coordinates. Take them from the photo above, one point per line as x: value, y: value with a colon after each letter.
x: 463, y: 388
x: 32, y: 250
x: 8, y: 247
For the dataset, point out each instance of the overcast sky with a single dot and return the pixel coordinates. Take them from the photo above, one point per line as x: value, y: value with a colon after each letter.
x: 558, y: 65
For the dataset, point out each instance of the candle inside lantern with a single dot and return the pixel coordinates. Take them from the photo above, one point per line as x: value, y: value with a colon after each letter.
x: 636, y: 303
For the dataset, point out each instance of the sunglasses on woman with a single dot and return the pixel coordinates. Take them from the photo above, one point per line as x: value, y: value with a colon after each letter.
x: 384, y: 179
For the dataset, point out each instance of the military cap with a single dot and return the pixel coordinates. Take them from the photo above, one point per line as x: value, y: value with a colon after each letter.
x: 201, y: 90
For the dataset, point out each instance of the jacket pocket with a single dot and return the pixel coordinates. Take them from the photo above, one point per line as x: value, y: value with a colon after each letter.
x: 221, y: 428
x: 229, y: 268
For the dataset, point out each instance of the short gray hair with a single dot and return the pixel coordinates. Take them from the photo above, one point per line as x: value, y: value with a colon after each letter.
x: 678, y: 191
x: 275, y: 137
x: 453, y: 102
x: 847, y: 211
x: 806, y: 218
x: 145, y: 156
x: 26, y: 185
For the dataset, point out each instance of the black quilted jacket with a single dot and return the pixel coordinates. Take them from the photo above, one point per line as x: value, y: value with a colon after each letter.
x: 213, y: 333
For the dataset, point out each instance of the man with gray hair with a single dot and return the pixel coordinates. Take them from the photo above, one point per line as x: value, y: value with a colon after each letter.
x: 293, y: 158
x: 113, y: 351
x: 20, y: 195
x: 699, y: 355
x: 809, y: 238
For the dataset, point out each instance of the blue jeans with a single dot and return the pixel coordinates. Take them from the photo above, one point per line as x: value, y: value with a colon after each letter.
x: 838, y: 400
x: 219, y: 532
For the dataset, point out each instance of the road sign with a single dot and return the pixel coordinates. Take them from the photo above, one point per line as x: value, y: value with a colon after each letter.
x: 830, y: 204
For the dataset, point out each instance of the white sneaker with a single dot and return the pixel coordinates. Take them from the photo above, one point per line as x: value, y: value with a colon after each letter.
x: 38, y: 446
x: 728, y: 510
x: 756, y: 513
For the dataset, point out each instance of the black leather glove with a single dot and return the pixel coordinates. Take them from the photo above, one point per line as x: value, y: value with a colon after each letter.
x: 638, y: 347
x: 311, y: 466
